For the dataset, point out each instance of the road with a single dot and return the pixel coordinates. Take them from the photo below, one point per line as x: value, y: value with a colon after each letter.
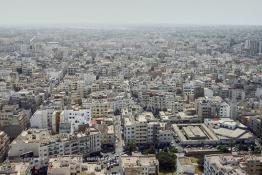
x: 118, y: 146
x: 119, y: 140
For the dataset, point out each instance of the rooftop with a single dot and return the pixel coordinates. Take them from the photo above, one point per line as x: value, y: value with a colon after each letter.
x: 139, y: 160
x: 233, y: 164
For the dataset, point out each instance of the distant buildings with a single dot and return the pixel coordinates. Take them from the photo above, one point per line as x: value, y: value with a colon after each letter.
x: 91, y: 90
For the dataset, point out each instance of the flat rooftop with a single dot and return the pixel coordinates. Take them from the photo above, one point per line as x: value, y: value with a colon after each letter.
x: 194, y: 132
x: 233, y: 164
x: 184, y: 160
x: 138, y: 160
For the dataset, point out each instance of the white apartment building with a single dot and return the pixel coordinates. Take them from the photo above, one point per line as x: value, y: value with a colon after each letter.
x: 68, y: 121
x: 75, y: 118
x: 129, y: 130
x: 224, y: 110
x: 42, y: 119
x: 189, y: 88
x: 40, y: 144
x: 237, y: 94
x: 156, y: 100
x: 145, y: 129
x: 165, y: 136
x: 120, y: 102
x: 209, y: 107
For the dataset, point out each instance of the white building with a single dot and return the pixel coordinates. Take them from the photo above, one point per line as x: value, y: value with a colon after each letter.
x: 224, y: 110
x: 42, y: 119
x: 75, y: 118
x: 40, y: 144
x: 145, y: 129
x: 208, y: 92
x: 165, y: 136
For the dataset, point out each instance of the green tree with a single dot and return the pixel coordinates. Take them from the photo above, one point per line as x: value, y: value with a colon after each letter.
x: 131, y: 146
x: 167, y: 161
x: 223, y: 149
x: 242, y: 147
x: 150, y: 150
x: 173, y: 150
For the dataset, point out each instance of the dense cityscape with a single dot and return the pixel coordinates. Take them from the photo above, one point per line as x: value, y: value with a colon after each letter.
x: 131, y: 100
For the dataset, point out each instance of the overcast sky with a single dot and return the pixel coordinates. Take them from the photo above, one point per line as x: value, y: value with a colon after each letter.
x: 243, y: 12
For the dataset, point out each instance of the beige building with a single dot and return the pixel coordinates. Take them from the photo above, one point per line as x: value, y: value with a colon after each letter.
x: 184, y: 165
x: 19, y: 168
x: 140, y: 165
x: 107, y: 134
x: 42, y: 145
x: 228, y: 164
x: 100, y: 108
x: 68, y: 165
x: 13, y: 121
x: 143, y: 129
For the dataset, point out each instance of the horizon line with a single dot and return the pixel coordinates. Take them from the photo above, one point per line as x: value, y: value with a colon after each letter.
x: 94, y: 24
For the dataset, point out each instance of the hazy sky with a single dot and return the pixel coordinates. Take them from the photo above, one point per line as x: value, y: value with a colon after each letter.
x: 131, y: 11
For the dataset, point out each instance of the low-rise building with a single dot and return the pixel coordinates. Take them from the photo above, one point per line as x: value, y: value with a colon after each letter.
x: 227, y: 130
x: 228, y: 164
x: 194, y: 134
x: 15, y: 168
x: 184, y: 165
x: 41, y: 145
x: 73, y: 164
x: 139, y: 164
